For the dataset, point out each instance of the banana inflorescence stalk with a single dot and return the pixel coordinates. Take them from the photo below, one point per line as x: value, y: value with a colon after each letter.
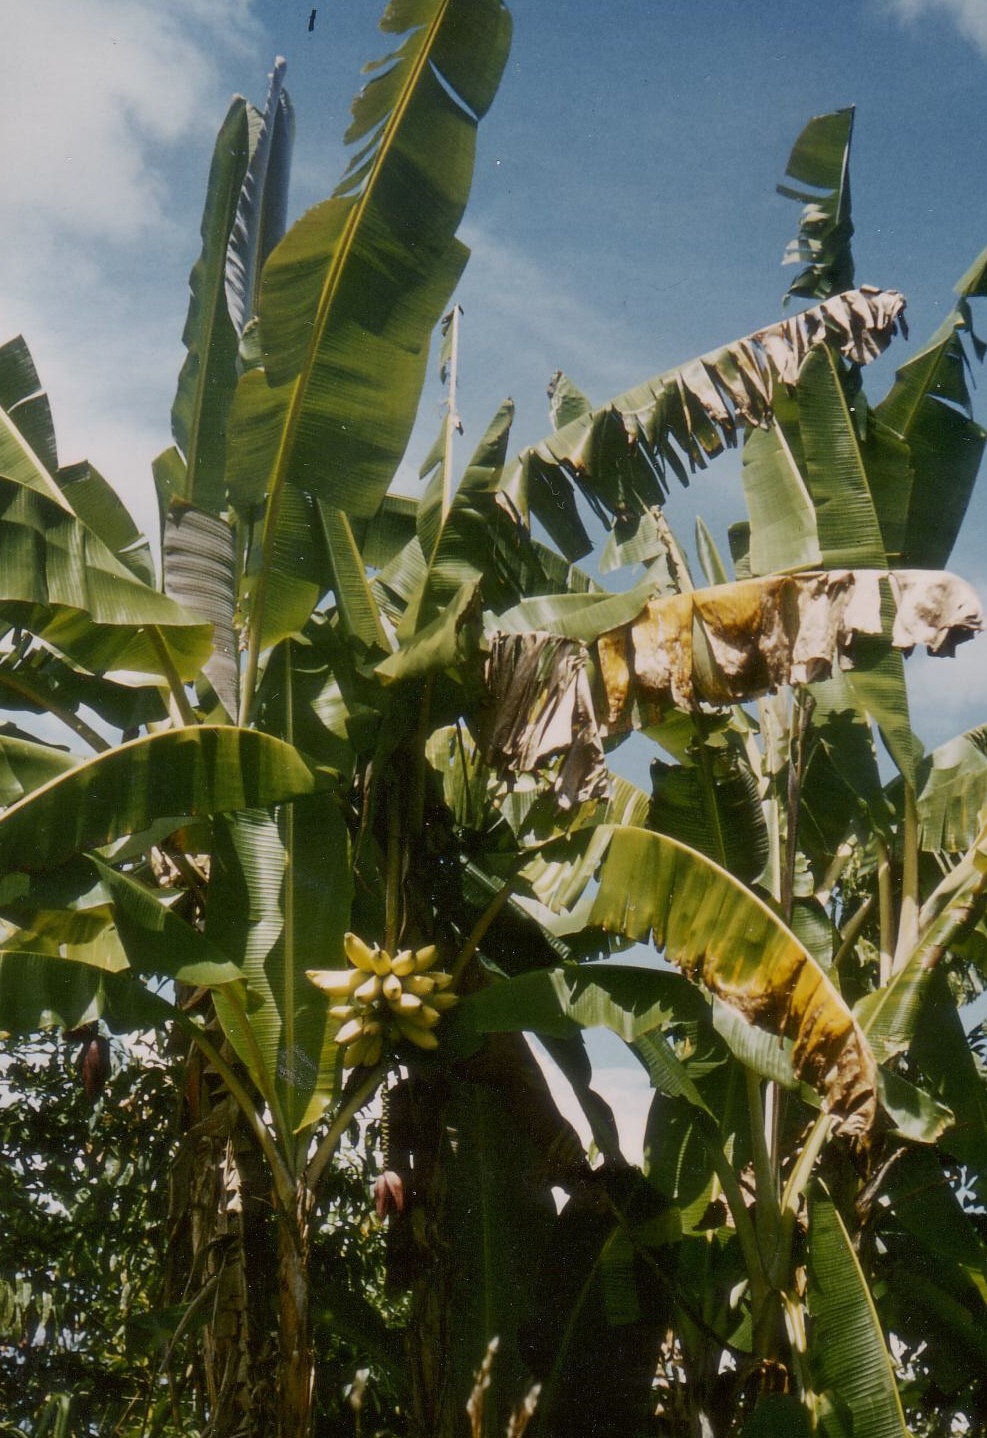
x: 381, y: 1000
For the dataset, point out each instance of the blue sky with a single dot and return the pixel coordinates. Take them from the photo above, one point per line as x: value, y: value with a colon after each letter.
x: 624, y: 215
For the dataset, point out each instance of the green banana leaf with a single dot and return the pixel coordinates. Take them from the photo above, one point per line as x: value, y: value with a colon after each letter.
x: 193, y: 471
x: 889, y: 1015
x: 243, y: 218
x: 713, y: 805
x: 200, y: 573
x: 836, y: 473
x: 58, y: 578
x: 952, y: 793
x: 279, y: 903
x: 41, y: 991
x: 930, y: 407
x: 820, y: 166
x: 351, y: 295
x: 848, y: 1357
x: 262, y: 204
x: 102, y: 510
x: 178, y: 774
x: 784, y: 535
x: 25, y: 766
x: 34, y: 680
x: 159, y: 943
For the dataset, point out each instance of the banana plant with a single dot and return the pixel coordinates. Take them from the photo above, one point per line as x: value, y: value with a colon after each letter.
x: 408, y: 850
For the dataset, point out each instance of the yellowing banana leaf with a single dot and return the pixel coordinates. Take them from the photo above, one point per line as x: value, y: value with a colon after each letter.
x: 185, y: 772
x: 350, y: 297
x: 725, y: 938
x: 820, y: 166
x: 618, y: 455
x: 721, y: 645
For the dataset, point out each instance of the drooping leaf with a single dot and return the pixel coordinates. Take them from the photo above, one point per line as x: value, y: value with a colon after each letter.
x: 184, y: 772
x: 725, y: 938
x: 159, y: 943
x: 722, y: 645
x: 40, y: 991
x: 619, y: 455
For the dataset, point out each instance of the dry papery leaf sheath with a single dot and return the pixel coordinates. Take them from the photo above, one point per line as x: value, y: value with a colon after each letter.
x: 722, y: 645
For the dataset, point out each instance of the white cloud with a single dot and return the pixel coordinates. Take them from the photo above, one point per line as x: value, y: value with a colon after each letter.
x: 95, y: 85
x: 110, y: 107
x: 969, y: 16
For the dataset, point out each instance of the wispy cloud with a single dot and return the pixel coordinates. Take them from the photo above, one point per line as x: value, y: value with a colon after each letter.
x: 109, y: 107
x: 969, y: 16
x: 92, y: 87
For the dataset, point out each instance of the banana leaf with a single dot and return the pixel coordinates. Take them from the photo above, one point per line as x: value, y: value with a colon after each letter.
x: 243, y: 219
x: 351, y: 295
x: 41, y: 991
x: 279, y: 904
x: 929, y: 406
x: 725, y: 938
x: 36, y: 681
x: 952, y: 793
x: 820, y: 167
x: 848, y: 1357
x: 619, y: 455
x: 177, y: 774
x: 193, y: 470
x: 262, y: 204
x: 58, y: 578
x: 199, y: 572
x: 102, y: 510
x: 26, y: 766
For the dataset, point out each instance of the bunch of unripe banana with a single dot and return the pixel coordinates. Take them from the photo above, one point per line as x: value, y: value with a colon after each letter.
x: 381, y: 1000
